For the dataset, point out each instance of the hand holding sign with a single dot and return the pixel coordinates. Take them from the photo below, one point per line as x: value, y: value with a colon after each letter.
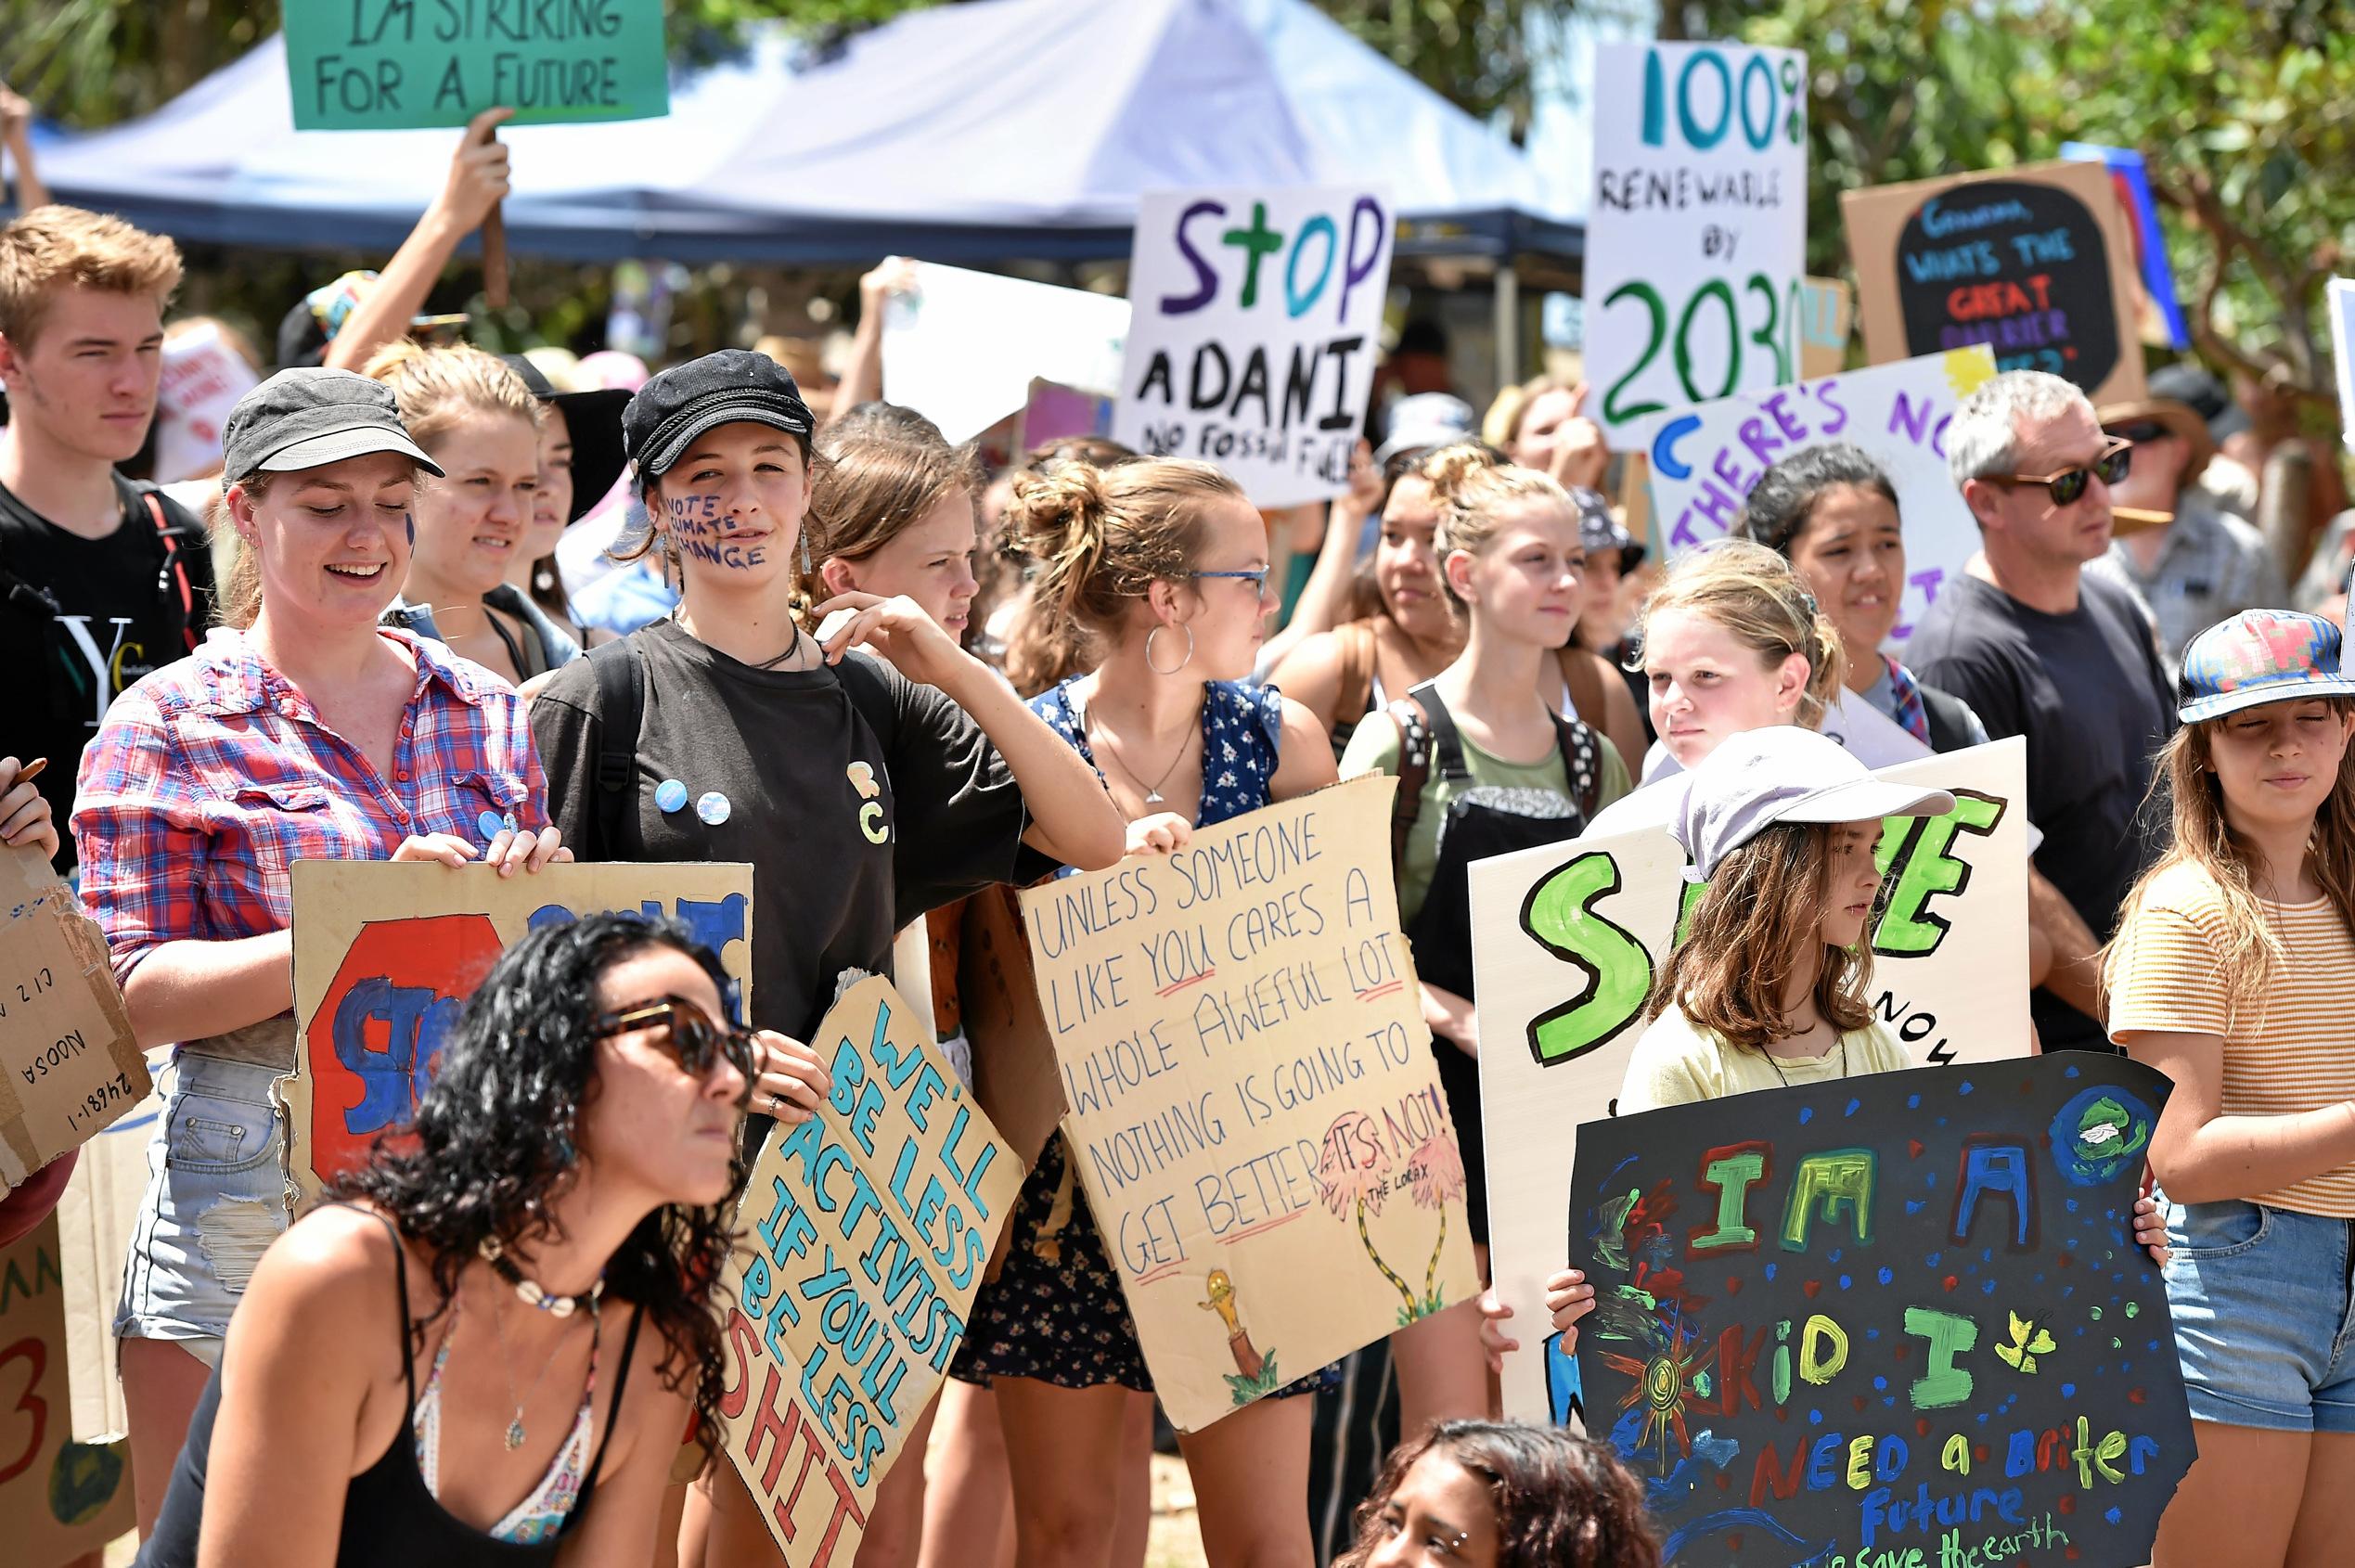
x: 1579, y: 452
x: 470, y: 198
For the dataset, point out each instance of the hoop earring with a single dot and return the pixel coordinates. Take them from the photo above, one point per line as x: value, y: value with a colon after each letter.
x: 1177, y: 666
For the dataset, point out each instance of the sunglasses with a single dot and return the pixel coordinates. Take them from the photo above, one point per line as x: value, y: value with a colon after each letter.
x: 2139, y: 432
x: 1256, y: 577
x: 695, y: 1040
x: 2069, y: 485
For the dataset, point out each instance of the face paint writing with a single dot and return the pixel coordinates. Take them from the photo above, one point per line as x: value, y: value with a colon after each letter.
x: 701, y: 532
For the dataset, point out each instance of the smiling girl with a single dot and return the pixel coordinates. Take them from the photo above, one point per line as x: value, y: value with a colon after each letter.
x: 301, y: 731
x: 2230, y: 973
x: 481, y: 425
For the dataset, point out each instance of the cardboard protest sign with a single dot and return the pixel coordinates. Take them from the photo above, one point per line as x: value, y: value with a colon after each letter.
x: 964, y: 346
x: 2341, y: 291
x: 58, y: 1498
x: 1258, y: 323
x: 1827, y: 317
x: 2037, y: 262
x: 1697, y: 241
x: 1254, y: 1111
x: 1897, y: 1319
x: 385, y: 65
x: 386, y: 954
x: 1566, y: 939
x: 1704, y: 460
x: 201, y: 380
x: 2157, y: 310
x: 865, y: 1233
x: 68, y: 1063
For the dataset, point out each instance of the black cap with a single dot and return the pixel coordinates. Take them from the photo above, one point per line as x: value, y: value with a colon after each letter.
x: 2188, y: 382
x: 593, y: 419
x: 307, y: 418
x: 726, y: 388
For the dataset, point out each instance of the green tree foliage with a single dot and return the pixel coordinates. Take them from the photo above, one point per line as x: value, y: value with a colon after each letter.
x: 2244, y: 110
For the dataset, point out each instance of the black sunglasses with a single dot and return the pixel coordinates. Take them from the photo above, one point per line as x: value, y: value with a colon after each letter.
x: 2069, y: 485
x: 2141, y: 430
x: 695, y: 1040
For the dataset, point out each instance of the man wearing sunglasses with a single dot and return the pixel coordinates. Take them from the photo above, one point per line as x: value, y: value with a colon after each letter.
x: 2038, y: 646
x: 2202, y: 566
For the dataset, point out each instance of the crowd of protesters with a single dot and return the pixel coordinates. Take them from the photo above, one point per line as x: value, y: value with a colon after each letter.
x: 378, y: 634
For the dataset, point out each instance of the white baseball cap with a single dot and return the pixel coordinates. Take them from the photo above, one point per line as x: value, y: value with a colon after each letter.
x: 1784, y: 773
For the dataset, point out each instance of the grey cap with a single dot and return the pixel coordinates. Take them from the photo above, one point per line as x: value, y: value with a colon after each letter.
x: 309, y: 417
x: 1782, y: 774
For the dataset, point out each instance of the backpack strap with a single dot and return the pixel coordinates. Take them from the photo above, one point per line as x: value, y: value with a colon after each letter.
x: 1446, y: 744
x: 175, y: 573
x: 1414, y: 772
x: 1581, y: 763
x: 621, y: 706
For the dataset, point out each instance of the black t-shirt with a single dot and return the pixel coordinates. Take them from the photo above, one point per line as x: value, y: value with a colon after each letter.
x: 2087, y: 691
x: 848, y: 840
x: 89, y: 618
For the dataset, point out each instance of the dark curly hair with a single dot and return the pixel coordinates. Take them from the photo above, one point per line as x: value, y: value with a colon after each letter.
x: 1559, y: 1501
x: 1785, y: 495
x: 495, y: 1143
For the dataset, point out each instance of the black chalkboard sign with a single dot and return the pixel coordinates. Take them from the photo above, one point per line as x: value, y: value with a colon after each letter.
x: 2022, y: 267
x: 1897, y: 1321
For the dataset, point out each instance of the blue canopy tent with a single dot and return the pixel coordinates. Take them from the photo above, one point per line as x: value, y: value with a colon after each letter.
x: 1006, y: 130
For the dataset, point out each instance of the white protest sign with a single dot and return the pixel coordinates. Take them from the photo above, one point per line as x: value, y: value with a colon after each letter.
x: 1697, y: 239
x: 2341, y: 293
x: 1256, y: 1116
x: 201, y: 380
x: 1566, y: 939
x: 962, y: 347
x: 1704, y: 460
x: 1258, y: 323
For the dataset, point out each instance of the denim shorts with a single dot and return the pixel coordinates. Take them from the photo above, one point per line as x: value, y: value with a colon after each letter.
x: 217, y: 1196
x: 2262, y: 1327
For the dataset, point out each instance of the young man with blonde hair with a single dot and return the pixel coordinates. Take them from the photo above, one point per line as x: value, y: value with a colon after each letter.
x: 101, y: 579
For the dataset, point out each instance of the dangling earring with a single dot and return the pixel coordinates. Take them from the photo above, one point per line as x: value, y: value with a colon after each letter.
x: 804, y: 554
x: 1177, y: 666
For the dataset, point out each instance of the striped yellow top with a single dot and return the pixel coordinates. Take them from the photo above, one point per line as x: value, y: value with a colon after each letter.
x: 2293, y: 1053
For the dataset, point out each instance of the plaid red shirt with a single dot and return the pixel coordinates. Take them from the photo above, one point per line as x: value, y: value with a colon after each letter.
x: 212, y: 776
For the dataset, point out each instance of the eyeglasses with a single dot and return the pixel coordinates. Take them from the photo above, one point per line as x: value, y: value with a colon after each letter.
x: 2068, y: 486
x: 1256, y: 577
x: 695, y: 1040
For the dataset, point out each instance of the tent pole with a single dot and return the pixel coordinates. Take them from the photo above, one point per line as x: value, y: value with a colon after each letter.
x: 1508, y: 326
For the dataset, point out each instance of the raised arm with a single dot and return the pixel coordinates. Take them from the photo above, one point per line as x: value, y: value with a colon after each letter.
x: 477, y: 183
x: 16, y: 139
x: 863, y: 376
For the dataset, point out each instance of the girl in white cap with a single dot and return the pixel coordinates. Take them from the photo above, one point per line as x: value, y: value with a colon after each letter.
x: 1769, y: 987
x: 2230, y: 974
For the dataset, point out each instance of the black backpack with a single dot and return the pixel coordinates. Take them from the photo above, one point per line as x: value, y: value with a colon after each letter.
x: 621, y: 700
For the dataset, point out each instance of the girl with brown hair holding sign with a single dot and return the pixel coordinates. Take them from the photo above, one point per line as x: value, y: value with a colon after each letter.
x: 1161, y: 566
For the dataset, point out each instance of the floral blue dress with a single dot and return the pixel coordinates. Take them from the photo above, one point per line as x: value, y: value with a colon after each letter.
x: 1055, y: 1311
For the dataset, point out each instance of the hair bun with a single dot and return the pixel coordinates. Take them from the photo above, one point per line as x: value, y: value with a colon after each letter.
x: 1059, y: 511
x: 1449, y: 468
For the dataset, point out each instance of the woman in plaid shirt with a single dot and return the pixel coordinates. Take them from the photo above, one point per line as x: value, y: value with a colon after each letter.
x: 298, y: 731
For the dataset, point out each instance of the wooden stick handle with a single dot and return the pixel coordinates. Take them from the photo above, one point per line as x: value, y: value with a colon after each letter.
x: 494, y: 258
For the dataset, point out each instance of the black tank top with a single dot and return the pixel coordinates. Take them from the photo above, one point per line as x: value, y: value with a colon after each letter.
x: 389, y: 1519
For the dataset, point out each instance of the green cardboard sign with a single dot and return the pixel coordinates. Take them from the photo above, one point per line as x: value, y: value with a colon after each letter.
x: 389, y: 65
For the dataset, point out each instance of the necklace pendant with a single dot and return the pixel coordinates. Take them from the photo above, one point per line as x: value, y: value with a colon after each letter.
x: 1153, y: 797
x: 515, y: 1435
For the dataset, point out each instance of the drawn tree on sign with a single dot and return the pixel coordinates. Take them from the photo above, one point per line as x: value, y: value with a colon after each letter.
x: 1352, y: 1169
x: 1435, y: 1174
